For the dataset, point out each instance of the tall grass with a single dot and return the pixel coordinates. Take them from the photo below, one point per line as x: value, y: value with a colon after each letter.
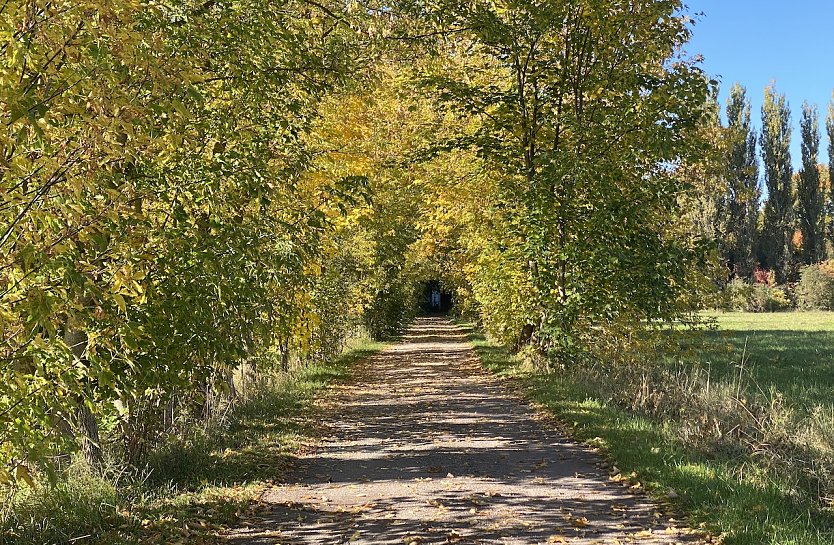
x: 192, y: 484
x: 81, y: 504
x: 740, y: 459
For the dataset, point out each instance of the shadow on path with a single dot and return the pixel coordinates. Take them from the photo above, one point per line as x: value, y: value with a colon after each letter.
x: 425, y: 447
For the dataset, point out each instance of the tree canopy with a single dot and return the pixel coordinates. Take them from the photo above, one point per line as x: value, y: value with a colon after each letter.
x: 191, y: 187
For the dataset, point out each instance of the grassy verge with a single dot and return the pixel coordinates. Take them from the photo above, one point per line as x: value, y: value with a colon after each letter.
x: 727, y: 496
x: 193, y: 489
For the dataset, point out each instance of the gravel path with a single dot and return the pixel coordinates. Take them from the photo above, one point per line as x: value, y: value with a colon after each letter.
x: 425, y: 447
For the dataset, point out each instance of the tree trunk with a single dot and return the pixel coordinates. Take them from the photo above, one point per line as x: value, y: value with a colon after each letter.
x: 168, y: 415
x: 90, y: 440
x: 85, y: 423
x: 248, y: 376
x: 230, y: 382
x: 284, y: 348
x: 209, y: 402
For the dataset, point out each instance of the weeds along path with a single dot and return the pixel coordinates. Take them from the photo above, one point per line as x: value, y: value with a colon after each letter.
x: 425, y: 447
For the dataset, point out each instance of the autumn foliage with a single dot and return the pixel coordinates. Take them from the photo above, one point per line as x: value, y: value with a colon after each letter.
x: 194, y: 190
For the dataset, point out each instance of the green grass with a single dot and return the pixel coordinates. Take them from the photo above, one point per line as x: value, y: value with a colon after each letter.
x: 792, y: 352
x: 195, y: 487
x: 727, y: 497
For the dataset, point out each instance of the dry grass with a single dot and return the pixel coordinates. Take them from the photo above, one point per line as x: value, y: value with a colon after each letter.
x: 733, y: 420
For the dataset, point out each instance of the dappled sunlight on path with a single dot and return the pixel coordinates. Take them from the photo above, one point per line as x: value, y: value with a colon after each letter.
x: 424, y: 447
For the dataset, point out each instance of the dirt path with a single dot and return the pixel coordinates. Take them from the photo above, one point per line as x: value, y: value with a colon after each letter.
x: 425, y: 447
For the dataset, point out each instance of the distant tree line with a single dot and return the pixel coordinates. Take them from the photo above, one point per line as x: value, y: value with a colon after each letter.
x: 786, y: 221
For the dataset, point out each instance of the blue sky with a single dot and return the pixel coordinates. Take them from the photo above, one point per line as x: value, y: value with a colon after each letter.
x: 755, y: 42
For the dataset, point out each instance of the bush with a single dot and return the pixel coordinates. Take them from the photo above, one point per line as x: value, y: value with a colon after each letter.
x: 738, y: 293
x: 764, y: 276
x: 815, y: 290
x: 758, y: 297
x: 768, y: 299
x: 390, y: 311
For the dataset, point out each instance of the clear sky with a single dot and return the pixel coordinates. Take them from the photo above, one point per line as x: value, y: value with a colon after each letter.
x: 754, y: 42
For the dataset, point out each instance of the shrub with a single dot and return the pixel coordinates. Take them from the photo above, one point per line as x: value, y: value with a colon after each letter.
x: 764, y: 276
x: 815, y: 290
x: 757, y: 297
x: 390, y: 311
x: 768, y: 299
x: 738, y: 293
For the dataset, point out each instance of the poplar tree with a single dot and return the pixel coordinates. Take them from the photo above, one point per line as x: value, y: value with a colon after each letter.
x: 776, y: 156
x: 829, y: 197
x: 810, y: 203
x: 742, y: 201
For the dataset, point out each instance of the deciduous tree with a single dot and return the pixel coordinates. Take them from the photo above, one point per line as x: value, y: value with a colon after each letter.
x: 585, y: 107
x: 161, y: 223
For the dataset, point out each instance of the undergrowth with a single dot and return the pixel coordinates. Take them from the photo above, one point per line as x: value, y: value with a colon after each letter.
x: 193, y: 486
x: 742, y: 466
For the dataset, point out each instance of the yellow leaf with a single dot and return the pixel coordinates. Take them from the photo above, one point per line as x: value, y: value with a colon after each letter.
x: 21, y: 473
x: 120, y: 301
x: 557, y: 539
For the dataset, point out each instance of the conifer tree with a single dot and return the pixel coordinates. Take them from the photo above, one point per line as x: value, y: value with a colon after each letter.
x: 742, y: 201
x: 776, y: 240
x: 810, y: 203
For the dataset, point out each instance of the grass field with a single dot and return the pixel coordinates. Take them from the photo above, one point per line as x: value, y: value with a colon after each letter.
x: 792, y: 352
x: 730, y: 495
